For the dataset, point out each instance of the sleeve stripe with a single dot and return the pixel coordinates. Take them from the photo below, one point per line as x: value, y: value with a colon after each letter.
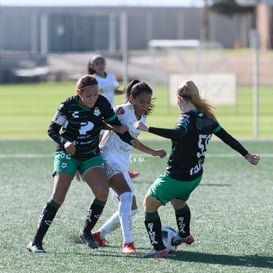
x: 111, y: 118
x: 217, y: 129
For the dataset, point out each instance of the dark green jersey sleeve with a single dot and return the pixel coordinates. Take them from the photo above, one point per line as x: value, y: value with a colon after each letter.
x: 54, y: 133
x: 175, y: 134
x: 231, y: 141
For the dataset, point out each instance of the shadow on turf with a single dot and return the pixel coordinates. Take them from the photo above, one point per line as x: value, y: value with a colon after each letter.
x: 196, y: 257
x: 248, y: 260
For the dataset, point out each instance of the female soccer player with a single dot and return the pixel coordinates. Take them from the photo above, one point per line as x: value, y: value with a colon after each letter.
x: 107, y: 82
x: 116, y: 156
x: 75, y: 128
x: 184, y: 169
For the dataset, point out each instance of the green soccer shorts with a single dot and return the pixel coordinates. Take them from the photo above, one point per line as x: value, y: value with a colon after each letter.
x: 65, y: 163
x: 166, y: 188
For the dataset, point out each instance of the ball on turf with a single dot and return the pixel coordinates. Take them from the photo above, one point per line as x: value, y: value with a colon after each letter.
x: 167, y: 234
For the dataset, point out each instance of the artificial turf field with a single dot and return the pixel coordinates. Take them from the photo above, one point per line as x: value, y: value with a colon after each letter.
x: 231, y: 209
x: 231, y: 215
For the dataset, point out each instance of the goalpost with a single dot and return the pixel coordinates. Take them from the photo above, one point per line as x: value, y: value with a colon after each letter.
x: 218, y: 88
x: 154, y: 45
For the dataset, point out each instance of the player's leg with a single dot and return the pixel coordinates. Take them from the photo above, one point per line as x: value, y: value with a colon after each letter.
x: 118, y: 183
x: 153, y: 226
x: 112, y: 224
x: 62, y: 181
x: 182, y: 211
x: 96, y: 178
x: 183, y: 218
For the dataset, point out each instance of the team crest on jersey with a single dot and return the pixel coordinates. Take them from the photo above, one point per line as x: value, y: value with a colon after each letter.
x: 120, y: 111
x: 97, y: 112
x: 64, y: 165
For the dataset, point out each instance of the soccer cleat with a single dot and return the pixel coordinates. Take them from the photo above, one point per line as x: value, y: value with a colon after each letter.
x: 156, y: 254
x: 35, y: 247
x: 133, y: 174
x: 88, y: 239
x: 101, y: 242
x: 177, y: 240
x: 128, y: 248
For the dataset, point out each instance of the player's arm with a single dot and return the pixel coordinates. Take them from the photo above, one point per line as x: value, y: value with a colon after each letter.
x: 126, y: 137
x: 54, y: 133
x: 175, y: 134
x: 145, y: 149
x: 121, y: 129
x: 55, y: 126
x: 237, y: 146
x: 111, y: 118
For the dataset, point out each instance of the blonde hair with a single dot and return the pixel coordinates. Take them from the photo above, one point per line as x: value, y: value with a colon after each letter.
x: 189, y: 91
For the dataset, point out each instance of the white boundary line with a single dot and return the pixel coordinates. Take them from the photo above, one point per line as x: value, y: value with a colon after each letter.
x: 133, y: 155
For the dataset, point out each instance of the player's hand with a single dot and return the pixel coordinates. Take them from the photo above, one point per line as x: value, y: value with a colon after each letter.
x: 140, y: 126
x: 161, y: 153
x: 70, y: 147
x: 253, y: 158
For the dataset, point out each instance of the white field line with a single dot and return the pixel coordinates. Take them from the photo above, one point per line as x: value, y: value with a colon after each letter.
x: 133, y: 155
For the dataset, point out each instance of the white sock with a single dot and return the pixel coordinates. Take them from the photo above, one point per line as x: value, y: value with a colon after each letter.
x: 125, y: 216
x: 114, y: 222
x: 109, y: 226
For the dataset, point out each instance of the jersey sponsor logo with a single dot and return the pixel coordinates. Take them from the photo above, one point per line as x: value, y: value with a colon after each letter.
x: 75, y: 114
x: 86, y: 127
x: 196, y: 169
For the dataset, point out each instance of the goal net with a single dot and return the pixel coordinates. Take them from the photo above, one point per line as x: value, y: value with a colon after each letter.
x: 186, y: 60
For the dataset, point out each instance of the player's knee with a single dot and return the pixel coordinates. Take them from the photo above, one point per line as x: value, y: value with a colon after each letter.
x: 102, y: 194
x: 126, y: 197
x: 125, y: 202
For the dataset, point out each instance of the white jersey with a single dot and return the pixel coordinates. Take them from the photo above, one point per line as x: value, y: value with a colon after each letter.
x: 107, y: 86
x: 113, y: 149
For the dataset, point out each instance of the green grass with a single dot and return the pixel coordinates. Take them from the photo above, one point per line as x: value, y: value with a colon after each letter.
x: 26, y: 110
x: 231, y: 210
x: 231, y: 215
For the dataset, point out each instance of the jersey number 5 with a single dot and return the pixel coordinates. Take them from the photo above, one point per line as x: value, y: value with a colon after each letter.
x: 203, y: 144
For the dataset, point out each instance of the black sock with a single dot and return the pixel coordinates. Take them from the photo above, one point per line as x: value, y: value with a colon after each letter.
x: 94, y: 213
x: 153, y: 226
x: 46, y: 217
x: 183, y: 218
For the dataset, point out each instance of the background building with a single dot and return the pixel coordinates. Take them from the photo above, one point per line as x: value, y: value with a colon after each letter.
x: 28, y: 35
